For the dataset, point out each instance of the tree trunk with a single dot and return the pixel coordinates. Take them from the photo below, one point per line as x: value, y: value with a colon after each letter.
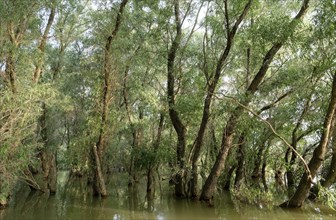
x: 290, y: 170
x: 98, y: 149
x: 256, y: 173
x: 211, y: 182
x: 99, y: 187
x: 263, y: 175
x: 227, y: 137
x: 173, y: 114
x: 136, y: 132
x: 150, y: 183
x: 42, y: 43
x: 330, y: 178
x: 207, y: 102
x: 52, y: 181
x: 318, y: 156
x: 47, y: 157
x: 152, y: 164
x: 240, y: 162
x: 228, y: 133
x: 290, y: 163
x: 228, y: 177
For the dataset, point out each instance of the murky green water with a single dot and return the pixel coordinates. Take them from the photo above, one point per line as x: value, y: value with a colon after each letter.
x: 131, y: 203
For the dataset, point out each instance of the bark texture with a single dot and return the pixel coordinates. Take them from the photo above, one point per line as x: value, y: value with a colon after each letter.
x: 231, y: 32
x: 42, y: 44
x: 318, y: 156
x: 173, y: 113
x: 98, y: 150
x: 229, y: 130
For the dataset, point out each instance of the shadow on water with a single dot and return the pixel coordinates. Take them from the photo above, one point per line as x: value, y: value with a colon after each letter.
x: 73, y: 201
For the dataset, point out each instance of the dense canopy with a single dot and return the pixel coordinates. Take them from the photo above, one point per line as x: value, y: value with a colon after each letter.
x: 209, y: 95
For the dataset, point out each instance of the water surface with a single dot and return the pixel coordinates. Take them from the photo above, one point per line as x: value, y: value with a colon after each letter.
x: 72, y: 202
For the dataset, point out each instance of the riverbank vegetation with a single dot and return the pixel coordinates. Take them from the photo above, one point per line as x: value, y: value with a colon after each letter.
x: 207, y: 95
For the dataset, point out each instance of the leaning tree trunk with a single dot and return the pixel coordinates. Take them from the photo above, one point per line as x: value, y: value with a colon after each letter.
x: 42, y: 44
x: 228, y: 133
x: 330, y: 177
x: 295, y: 139
x: 230, y: 128
x: 227, y: 138
x: 318, y: 156
x: 208, y: 99
x: 98, y: 150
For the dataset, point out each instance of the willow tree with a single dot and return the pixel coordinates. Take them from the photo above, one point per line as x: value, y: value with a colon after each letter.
x: 17, y: 120
x: 174, y: 115
x: 99, y: 147
x: 322, y: 52
x: 212, y: 82
x: 47, y: 156
x: 231, y: 124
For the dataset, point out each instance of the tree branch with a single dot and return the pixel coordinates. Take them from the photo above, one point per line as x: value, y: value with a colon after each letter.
x: 274, y: 132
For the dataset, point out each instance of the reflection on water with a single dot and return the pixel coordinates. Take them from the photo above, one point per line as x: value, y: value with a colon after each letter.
x: 73, y: 202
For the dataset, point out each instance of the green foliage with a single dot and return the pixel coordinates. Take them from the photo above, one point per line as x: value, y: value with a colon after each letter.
x: 327, y: 196
x: 254, y: 196
x: 71, y: 85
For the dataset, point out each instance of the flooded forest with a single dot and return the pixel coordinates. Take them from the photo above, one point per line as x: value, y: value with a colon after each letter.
x: 167, y: 109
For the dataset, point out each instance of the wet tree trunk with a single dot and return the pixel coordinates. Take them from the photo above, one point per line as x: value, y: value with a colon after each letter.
x: 150, y: 187
x: 228, y: 177
x: 210, y: 92
x: 330, y: 177
x: 48, y: 156
x: 263, y: 175
x: 229, y: 130
x: 152, y: 164
x: 98, y: 150
x: 136, y: 133
x: 256, y: 173
x: 227, y: 138
x: 99, y: 187
x: 135, y: 144
x: 242, y: 139
x: 241, y: 146
x: 228, y: 133
x: 290, y: 170
x: 240, y: 162
x: 295, y: 139
x: 173, y: 114
x: 318, y: 156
